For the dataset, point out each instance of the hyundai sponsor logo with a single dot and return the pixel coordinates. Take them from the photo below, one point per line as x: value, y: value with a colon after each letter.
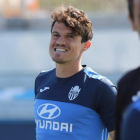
x: 52, y: 125
x: 51, y: 111
x: 48, y: 111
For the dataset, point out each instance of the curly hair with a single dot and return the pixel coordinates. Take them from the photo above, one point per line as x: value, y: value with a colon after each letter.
x: 74, y: 18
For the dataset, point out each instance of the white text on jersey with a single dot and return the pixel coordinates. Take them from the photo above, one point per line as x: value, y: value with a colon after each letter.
x: 52, y: 125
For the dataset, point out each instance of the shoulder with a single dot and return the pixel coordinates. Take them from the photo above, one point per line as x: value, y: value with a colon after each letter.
x: 43, y: 75
x: 129, y: 76
x: 103, y: 82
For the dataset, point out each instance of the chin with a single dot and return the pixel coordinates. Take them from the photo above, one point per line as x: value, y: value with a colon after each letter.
x: 59, y: 61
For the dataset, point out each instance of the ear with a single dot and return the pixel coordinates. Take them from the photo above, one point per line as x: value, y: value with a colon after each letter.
x: 132, y: 23
x: 87, y: 45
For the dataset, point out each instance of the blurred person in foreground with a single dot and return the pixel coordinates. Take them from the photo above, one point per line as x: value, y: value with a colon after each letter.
x: 128, y: 98
x: 72, y: 102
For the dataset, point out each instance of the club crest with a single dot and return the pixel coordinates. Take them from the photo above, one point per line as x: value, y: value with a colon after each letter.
x: 74, y: 92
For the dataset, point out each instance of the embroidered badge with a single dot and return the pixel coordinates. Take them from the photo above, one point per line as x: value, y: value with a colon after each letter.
x: 74, y: 92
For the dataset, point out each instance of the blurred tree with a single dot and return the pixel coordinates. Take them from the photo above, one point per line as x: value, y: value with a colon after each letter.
x: 88, y: 5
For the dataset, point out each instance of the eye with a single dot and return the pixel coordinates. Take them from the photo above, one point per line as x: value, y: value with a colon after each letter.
x: 70, y: 36
x: 56, y: 35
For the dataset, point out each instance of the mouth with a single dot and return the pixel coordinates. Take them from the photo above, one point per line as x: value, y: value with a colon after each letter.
x: 60, y: 50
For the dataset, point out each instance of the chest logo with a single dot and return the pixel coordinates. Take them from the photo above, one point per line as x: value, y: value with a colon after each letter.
x: 48, y: 111
x: 45, y: 88
x: 74, y: 92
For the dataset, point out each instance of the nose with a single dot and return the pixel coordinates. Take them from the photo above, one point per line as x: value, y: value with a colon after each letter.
x: 61, y: 41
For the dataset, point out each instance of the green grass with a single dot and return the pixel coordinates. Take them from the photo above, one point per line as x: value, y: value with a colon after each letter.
x: 87, y: 5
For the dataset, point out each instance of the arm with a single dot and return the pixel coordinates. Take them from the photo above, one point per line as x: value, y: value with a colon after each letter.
x: 106, y: 106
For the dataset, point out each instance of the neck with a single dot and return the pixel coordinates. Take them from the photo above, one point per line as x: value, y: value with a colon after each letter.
x: 67, y: 70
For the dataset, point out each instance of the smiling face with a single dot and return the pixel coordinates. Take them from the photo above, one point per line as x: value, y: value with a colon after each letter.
x: 64, y: 46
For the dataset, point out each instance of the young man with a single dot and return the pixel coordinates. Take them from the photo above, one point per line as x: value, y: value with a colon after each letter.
x: 72, y: 102
x: 127, y: 121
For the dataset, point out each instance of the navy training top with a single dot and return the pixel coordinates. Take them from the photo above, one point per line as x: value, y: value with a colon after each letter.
x: 80, y: 107
x: 130, y: 127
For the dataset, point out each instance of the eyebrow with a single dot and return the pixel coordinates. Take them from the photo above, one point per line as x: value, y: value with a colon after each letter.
x: 70, y: 33
x: 66, y: 33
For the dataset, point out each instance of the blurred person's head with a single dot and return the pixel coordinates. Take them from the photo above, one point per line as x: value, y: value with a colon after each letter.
x: 134, y: 14
x: 125, y: 98
x: 71, y: 35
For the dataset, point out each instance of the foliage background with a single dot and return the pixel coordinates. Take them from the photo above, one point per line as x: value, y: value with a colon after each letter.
x: 104, y: 6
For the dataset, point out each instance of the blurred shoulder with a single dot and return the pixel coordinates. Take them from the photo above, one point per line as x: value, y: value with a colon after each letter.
x: 129, y: 76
